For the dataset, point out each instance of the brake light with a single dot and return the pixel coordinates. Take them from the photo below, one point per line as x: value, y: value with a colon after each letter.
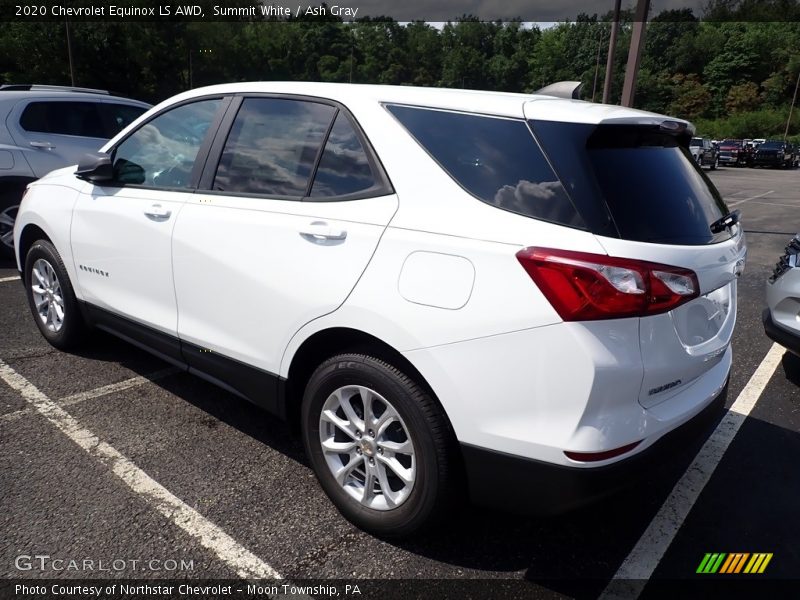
x: 586, y: 287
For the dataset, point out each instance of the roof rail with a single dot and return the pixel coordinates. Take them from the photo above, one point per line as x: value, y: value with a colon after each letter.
x: 25, y: 87
x: 562, y: 89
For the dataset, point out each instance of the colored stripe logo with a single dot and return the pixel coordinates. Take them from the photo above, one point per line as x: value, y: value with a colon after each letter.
x: 736, y: 562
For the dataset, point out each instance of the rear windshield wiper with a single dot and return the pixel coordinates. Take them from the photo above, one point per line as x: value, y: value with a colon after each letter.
x: 729, y: 220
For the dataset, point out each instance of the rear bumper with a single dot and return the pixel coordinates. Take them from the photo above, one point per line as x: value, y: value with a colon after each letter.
x: 739, y: 161
x: 778, y: 334
x: 545, y: 489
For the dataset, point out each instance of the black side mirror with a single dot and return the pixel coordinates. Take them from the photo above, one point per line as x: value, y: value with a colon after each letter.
x: 95, y: 168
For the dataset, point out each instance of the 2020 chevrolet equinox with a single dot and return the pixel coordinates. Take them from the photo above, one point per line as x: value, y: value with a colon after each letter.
x: 519, y: 292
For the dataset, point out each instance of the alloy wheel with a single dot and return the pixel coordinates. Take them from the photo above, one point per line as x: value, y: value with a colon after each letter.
x: 47, y: 295
x: 367, y: 447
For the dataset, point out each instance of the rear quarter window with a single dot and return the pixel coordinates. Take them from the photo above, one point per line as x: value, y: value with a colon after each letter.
x: 495, y: 159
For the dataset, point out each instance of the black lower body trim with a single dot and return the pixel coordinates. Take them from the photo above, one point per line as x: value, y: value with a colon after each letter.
x: 778, y: 334
x: 260, y: 387
x: 253, y: 384
x: 542, y: 488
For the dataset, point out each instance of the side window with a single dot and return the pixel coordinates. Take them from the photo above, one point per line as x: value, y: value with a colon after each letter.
x: 117, y: 117
x: 63, y: 118
x: 344, y: 167
x: 161, y: 152
x: 496, y: 160
x: 272, y: 147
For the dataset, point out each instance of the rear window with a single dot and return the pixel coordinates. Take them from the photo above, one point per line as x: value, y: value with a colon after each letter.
x: 117, y: 117
x: 643, y: 179
x: 496, y: 160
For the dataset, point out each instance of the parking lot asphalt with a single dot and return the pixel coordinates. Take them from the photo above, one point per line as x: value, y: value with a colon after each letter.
x: 244, y: 472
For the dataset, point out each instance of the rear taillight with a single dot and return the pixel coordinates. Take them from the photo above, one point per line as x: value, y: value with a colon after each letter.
x: 587, y: 287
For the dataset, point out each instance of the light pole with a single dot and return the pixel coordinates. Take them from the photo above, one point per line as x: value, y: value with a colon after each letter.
x: 597, y: 61
x: 791, y: 108
x: 612, y: 47
x: 69, y: 52
x: 635, y: 52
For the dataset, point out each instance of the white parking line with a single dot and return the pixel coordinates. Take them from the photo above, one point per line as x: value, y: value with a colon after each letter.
x: 113, y: 388
x: 776, y: 204
x: 751, y: 198
x: 246, y: 564
x: 97, y: 392
x: 637, y: 568
x: 4, y: 279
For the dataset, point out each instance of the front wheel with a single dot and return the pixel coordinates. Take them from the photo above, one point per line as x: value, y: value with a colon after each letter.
x: 51, y: 297
x: 379, y: 444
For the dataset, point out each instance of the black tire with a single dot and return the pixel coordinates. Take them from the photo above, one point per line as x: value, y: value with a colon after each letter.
x: 428, y: 430
x: 715, y: 164
x: 73, y: 328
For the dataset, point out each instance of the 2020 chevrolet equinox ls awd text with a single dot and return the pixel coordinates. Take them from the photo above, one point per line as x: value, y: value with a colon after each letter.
x: 437, y: 286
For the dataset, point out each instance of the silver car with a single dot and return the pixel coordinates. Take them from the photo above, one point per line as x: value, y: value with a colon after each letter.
x: 782, y: 316
x: 43, y: 128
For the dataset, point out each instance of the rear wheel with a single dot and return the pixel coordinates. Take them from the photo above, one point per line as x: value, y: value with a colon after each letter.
x: 51, y: 297
x: 379, y: 445
x: 715, y: 164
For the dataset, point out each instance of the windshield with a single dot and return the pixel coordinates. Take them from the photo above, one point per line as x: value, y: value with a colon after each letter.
x: 634, y: 182
x: 772, y: 145
x: 697, y: 142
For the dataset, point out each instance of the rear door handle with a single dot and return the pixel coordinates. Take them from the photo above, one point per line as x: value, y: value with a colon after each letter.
x: 320, y: 231
x: 42, y: 145
x: 157, y: 213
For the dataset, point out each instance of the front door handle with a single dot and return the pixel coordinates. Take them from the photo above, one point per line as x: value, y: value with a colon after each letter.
x: 42, y: 145
x: 321, y: 231
x: 157, y: 213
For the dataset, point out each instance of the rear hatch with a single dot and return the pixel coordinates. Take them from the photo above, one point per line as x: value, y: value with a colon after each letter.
x: 634, y: 182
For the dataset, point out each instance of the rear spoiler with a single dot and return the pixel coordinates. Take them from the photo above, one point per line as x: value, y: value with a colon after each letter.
x: 681, y: 129
x: 570, y: 90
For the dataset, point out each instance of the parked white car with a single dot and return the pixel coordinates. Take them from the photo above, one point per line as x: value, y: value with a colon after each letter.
x: 783, y: 299
x: 523, y: 292
x: 46, y: 127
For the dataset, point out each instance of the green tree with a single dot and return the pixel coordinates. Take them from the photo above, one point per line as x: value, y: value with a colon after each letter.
x: 691, y: 99
x: 743, y: 97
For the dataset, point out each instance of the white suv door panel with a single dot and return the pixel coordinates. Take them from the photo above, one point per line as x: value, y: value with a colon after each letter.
x: 297, y: 209
x: 121, y: 244
x: 250, y: 272
x: 122, y: 233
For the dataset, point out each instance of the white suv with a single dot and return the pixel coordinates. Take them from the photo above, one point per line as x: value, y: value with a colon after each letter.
x: 45, y: 127
x: 520, y: 292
